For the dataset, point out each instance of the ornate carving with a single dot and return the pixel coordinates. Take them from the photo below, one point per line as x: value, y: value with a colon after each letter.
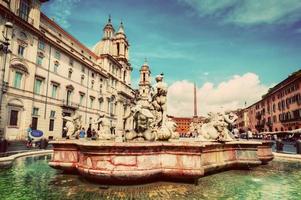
x: 149, y: 117
x: 217, y: 127
x: 73, y: 125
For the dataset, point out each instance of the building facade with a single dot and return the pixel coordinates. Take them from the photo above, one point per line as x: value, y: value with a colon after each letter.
x: 183, y: 124
x: 50, y: 74
x: 279, y: 109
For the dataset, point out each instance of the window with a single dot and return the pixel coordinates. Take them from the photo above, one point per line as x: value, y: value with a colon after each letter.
x: 41, y: 45
x: 39, y: 60
x: 71, y: 62
x: 124, y: 110
x: 54, y: 91
x: 35, y: 111
x: 57, y: 55
x: 108, y: 105
x: 118, y: 48
x: 82, y: 79
x: 51, y: 124
x: 13, y: 119
x: 83, y: 69
x: 24, y: 9
x: 81, y: 99
x: 55, y: 67
x: 18, y: 78
x: 52, y: 114
x: 91, y: 102
x: 92, y: 84
x: 37, y: 86
x: 92, y: 75
x: 69, y: 74
x: 100, y: 104
x: 21, y: 50
x: 34, y: 123
x: 68, y: 99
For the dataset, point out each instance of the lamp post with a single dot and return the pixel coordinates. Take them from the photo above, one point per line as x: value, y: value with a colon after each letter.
x: 4, y: 50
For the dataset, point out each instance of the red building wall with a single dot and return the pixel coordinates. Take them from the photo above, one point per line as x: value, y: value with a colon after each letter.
x: 279, y: 109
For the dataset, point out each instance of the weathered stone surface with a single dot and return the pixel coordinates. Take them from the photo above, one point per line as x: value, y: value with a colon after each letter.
x: 125, y: 162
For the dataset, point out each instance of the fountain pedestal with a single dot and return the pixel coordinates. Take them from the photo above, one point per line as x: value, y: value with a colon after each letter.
x: 116, y: 163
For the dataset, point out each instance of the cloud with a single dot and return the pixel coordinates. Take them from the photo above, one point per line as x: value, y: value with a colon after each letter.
x: 249, y: 12
x: 227, y: 95
x: 60, y: 10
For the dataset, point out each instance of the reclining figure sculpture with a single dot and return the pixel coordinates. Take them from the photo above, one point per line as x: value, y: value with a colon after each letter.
x: 217, y: 127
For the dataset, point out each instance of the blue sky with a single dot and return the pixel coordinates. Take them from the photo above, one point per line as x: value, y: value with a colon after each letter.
x: 195, y: 40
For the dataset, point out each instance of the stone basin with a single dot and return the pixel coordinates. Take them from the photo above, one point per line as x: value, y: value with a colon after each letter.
x: 133, y: 162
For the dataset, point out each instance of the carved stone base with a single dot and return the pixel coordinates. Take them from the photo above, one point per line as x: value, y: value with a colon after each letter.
x: 129, y: 162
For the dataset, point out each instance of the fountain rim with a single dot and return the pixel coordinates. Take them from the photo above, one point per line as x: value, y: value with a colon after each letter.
x: 195, y: 143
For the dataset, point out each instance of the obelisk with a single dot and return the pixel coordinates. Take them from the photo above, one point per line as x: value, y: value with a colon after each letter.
x: 195, y: 102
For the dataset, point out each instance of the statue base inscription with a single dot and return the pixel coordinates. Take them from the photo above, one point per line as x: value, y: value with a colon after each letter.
x: 133, y: 162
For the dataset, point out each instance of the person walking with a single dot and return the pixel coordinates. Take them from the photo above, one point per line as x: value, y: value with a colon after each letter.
x: 94, y: 134
x: 29, y: 139
x: 249, y: 134
x: 82, y: 133
x: 89, y: 132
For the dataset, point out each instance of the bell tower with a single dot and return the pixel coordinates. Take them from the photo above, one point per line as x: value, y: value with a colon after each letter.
x: 121, y: 43
x: 145, y: 81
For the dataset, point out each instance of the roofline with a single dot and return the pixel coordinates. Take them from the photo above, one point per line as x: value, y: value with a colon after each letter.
x: 68, y: 35
x: 291, y: 78
x: 294, y: 75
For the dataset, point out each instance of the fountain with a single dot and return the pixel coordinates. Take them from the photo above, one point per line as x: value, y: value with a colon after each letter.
x: 153, y: 150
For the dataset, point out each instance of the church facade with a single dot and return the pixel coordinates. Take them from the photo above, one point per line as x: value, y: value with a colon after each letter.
x: 49, y: 74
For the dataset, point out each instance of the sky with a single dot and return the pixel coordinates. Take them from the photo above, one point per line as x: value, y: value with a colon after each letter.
x: 234, y: 50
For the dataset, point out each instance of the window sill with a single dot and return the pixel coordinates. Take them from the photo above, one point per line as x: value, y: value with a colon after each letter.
x: 16, y: 127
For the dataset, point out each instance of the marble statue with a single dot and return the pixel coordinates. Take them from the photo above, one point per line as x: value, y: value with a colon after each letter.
x: 158, y: 100
x: 101, y: 125
x: 73, y: 125
x: 167, y: 131
x: 142, y: 119
x: 150, y: 119
x: 217, y: 127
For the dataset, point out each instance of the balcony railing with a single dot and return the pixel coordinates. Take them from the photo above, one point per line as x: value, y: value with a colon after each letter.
x: 69, y: 104
x: 291, y: 119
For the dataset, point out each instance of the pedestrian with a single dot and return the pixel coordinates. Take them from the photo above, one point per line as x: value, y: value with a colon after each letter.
x: 250, y: 134
x: 65, y: 130
x: 29, y: 139
x: 235, y: 132
x: 94, y: 134
x: 82, y: 133
x: 89, y: 132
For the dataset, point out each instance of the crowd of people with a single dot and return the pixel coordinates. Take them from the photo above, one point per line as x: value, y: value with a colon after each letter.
x: 83, y: 133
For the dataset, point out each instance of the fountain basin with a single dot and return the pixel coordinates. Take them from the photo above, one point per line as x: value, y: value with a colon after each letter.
x: 126, y: 162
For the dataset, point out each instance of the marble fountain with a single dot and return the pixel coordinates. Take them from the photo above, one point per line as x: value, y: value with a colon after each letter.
x: 153, y: 149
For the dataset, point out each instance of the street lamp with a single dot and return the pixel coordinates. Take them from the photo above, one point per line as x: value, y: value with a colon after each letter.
x: 5, y: 44
x: 4, y: 49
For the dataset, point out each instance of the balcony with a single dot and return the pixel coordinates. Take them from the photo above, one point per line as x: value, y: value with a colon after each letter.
x: 69, y: 105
